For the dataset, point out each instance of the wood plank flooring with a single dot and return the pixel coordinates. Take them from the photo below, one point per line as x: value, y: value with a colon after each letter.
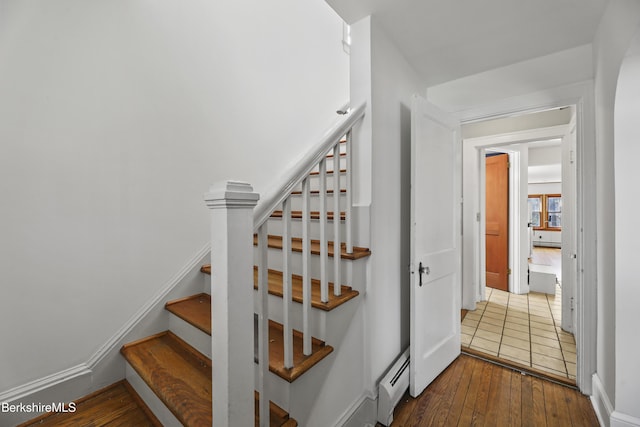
x: 473, y: 392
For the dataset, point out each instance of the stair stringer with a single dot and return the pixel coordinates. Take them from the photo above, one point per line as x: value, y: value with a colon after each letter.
x: 322, y: 395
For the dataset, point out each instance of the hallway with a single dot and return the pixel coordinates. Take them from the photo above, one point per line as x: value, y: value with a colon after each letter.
x: 474, y: 392
x: 524, y: 329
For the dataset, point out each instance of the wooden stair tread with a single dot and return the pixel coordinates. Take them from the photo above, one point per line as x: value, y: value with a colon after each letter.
x: 329, y: 172
x: 276, y: 348
x: 276, y: 288
x: 330, y: 155
x: 114, y: 405
x: 317, y: 192
x: 275, y: 242
x: 195, y: 309
x: 177, y: 373
x: 313, y: 215
x: 181, y: 377
x: 278, y: 417
x: 301, y: 363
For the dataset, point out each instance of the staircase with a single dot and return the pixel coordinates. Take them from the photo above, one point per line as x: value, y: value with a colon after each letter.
x: 172, y: 370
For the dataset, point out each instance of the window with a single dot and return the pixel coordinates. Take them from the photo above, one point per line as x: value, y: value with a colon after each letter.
x: 545, y: 211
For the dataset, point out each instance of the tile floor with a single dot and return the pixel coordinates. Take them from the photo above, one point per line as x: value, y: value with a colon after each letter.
x: 524, y: 329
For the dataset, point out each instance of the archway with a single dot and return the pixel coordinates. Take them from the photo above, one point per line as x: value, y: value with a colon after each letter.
x: 627, y: 234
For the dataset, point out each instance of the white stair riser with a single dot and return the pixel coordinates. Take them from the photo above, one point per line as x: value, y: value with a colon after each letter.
x: 351, y: 271
x: 275, y: 227
x: 281, y: 392
x: 164, y: 415
x: 318, y: 318
x: 314, y: 202
x: 325, y: 325
x: 343, y: 161
x: 314, y: 182
x: 193, y: 336
x: 298, y: 398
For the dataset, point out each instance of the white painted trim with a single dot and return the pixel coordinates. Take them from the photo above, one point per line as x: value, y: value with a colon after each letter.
x: 23, y: 391
x: 91, y: 368
x: 600, y: 402
x: 520, y: 104
x: 118, y: 338
x: 619, y: 419
x: 479, y: 145
x: 358, y: 411
x: 580, y: 94
x: 522, y: 136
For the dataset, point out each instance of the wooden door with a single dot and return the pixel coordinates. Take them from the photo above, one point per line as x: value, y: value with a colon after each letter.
x: 435, y: 243
x: 497, y: 221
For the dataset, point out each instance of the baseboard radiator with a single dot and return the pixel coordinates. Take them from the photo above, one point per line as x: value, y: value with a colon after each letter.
x: 392, y: 387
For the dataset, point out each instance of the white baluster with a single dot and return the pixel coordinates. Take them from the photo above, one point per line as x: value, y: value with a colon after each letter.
x: 306, y: 270
x: 263, y: 322
x: 349, y: 210
x: 337, y: 290
x: 324, y: 252
x: 286, y: 283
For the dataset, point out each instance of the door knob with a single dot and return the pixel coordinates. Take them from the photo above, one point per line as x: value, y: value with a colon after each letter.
x: 423, y: 269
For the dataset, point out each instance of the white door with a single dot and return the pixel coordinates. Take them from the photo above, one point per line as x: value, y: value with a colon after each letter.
x: 435, y: 243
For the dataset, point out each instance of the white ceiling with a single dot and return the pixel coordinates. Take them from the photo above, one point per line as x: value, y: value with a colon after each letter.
x: 448, y: 39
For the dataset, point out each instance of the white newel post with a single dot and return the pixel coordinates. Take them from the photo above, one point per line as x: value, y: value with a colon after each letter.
x: 231, y: 205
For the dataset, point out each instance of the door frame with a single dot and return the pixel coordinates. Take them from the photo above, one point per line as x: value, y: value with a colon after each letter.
x: 582, y: 96
x: 510, y: 248
x: 476, y: 148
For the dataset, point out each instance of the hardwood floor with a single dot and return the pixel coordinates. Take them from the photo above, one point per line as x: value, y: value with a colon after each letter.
x: 472, y: 392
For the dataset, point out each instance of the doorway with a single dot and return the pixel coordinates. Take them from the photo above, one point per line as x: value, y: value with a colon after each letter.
x: 517, y: 324
x: 497, y: 220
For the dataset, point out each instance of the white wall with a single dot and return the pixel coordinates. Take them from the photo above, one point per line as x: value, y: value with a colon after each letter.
x: 616, y: 29
x: 627, y: 234
x: 546, y: 188
x: 392, y: 83
x: 501, y: 84
x: 540, y: 156
x: 115, y: 117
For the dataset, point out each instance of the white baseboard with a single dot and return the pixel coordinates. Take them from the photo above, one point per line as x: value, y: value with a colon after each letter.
x: 105, y: 366
x: 61, y: 387
x: 362, y: 412
x: 618, y: 419
x: 601, y: 402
